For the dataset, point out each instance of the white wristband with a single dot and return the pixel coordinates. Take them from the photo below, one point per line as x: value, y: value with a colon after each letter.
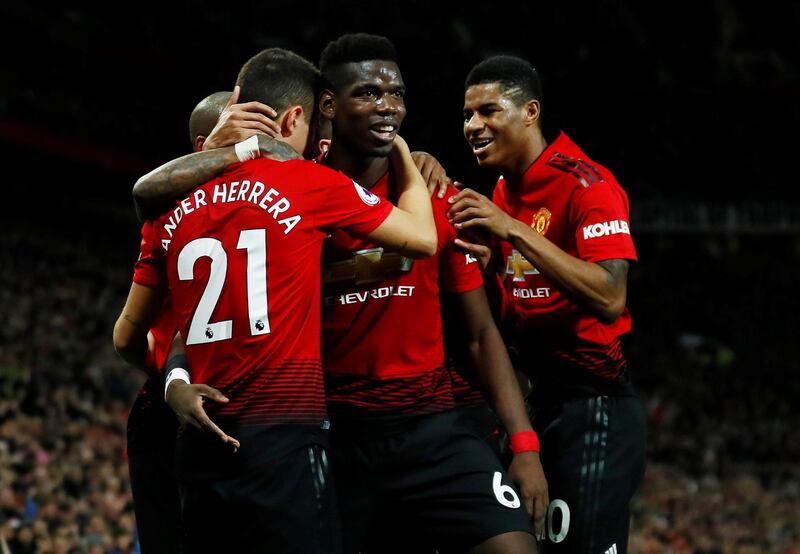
x: 177, y: 373
x: 247, y: 149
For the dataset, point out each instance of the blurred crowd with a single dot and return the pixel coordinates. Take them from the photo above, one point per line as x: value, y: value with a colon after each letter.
x: 64, y: 395
x: 712, y: 355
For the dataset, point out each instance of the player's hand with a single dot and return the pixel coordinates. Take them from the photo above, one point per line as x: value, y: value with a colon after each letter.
x: 526, y: 470
x: 433, y: 173
x: 187, y: 402
x: 276, y: 149
x: 241, y: 121
x: 472, y: 211
x: 481, y: 252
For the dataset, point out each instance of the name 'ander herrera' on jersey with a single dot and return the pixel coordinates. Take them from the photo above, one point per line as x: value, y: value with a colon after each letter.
x: 271, y: 200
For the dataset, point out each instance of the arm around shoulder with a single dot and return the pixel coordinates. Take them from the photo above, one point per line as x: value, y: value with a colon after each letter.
x: 410, y: 227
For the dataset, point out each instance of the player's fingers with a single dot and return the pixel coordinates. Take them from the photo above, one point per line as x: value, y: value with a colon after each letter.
x: 476, y: 222
x: 460, y: 206
x: 472, y: 248
x: 539, y: 512
x: 422, y: 161
x: 469, y: 213
x: 208, y: 425
x: 211, y: 393
x: 259, y: 127
x: 529, y: 502
x: 244, y: 115
x: 444, y: 182
x: 255, y: 108
x: 464, y: 193
x: 234, y: 97
x: 256, y: 120
x: 232, y: 442
x: 426, y: 170
x: 424, y: 165
x: 191, y: 418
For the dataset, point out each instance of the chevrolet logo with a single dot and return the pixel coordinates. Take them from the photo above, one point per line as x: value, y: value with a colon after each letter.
x: 367, y: 266
x: 519, y: 267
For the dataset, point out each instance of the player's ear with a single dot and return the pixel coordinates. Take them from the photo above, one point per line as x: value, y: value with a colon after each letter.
x: 199, y: 142
x: 532, y: 112
x: 327, y: 104
x: 324, y: 145
x: 290, y: 120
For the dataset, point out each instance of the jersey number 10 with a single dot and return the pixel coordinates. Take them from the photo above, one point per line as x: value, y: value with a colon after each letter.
x: 201, y: 329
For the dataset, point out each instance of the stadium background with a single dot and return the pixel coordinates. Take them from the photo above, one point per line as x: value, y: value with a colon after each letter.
x: 694, y: 107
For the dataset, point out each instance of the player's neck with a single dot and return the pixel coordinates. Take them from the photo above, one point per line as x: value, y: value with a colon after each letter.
x: 365, y: 170
x: 514, y: 172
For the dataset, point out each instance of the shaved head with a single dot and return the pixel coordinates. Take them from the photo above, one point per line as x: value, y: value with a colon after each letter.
x: 205, y: 115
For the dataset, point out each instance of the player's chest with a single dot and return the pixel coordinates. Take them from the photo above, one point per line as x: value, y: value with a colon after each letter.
x: 351, y: 263
x: 547, y: 215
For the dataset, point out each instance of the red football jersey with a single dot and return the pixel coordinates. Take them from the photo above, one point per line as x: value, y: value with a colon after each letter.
x: 579, y: 206
x: 241, y: 256
x: 382, y: 344
x: 166, y: 325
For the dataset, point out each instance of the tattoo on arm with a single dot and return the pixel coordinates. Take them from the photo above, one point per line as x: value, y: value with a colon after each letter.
x: 132, y: 321
x: 155, y: 191
x: 276, y: 149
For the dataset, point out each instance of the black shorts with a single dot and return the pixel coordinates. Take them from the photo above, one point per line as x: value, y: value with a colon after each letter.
x: 593, y: 458
x: 431, y: 484
x: 151, y: 452
x: 482, y: 421
x: 286, y: 506
x: 156, y: 502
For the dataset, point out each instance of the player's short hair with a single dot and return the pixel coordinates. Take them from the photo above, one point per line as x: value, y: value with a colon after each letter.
x: 206, y: 114
x: 279, y: 78
x: 517, y: 78
x: 353, y: 48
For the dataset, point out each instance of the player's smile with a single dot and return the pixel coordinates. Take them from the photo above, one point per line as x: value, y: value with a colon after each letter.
x: 384, y: 131
x: 480, y: 145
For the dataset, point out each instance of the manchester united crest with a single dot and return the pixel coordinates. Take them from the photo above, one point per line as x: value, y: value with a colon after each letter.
x: 541, y: 221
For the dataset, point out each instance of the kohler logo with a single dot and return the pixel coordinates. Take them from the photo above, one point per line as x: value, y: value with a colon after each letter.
x: 606, y: 228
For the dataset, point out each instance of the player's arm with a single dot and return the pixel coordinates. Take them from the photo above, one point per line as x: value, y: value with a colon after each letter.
x: 155, y: 192
x: 131, y: 332
x: 409, y: 228
x: 432, y: 172
x: 186, y: 399
x: 489, y: 359
x: 600, y: 286
x: 231, y: 141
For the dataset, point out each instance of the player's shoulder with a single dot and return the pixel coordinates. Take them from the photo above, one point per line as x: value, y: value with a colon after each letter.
x: 583, y: 175
x: 307, y: 167
x: 443, y: 203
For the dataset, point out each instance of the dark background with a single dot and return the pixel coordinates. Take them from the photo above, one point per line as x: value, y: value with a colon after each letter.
x: 693, y: 106
x: 682, y: 101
